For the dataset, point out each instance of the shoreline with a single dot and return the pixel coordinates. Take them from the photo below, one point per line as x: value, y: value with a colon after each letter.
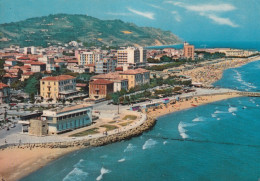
x: 21, y: 163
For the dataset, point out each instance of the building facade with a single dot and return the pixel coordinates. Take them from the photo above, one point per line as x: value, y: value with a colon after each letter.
x: 188, y: 51
x: 59, y: 87
x: 99, y: 89
x: 136, y: 77
x: 86, y: 58
x: 105, y: 66
x: 4, y: 93
x: 68, y: 118
x: 131, y: 56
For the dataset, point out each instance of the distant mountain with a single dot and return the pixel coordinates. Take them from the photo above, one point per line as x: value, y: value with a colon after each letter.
x: 63, y: 28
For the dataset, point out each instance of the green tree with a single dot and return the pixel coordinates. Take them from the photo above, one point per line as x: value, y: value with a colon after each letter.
x: 32, y: 98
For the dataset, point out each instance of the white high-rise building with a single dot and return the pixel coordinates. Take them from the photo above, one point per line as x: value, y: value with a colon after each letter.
x: 86, y: 58
x: 30, y: 50
x: 131, y: 56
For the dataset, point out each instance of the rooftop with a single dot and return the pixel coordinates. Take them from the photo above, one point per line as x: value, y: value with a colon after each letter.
x: 69, y: 108
x: 2, y: 85
x: 58, y: 78
x: 101, y: 81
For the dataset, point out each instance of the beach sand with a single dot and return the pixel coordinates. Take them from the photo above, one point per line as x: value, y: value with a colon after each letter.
x: 17, y: 162
x: 209, y: 74
x: 187, y: 103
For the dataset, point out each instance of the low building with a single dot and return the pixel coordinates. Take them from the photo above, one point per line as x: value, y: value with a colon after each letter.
x: 81, y: 86
x: 26, y: 75
x: 68, y: 118
x: 59, y: 87
x: 38, y: 66
x: 38, y: 127
x: 4, y: 93
x: 99, y: 89
x: 11, y: 61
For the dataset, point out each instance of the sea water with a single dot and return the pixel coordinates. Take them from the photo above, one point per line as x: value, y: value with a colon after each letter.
x: 218, y: 141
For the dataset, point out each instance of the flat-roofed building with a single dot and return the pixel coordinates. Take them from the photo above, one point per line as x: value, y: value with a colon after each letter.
x: 86, y: 58
x: 188, y: 51
x: 131, y: 56
x: 105, y: 66
x: 59, y: 87
x: 68, y: 118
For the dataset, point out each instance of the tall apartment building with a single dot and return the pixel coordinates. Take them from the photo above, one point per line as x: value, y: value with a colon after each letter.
x: 85, y: 58
x: 188, y: 51
x: 105, y: 66
x: 30, y: 50
x: 59, y: 87
x: 131, y: 56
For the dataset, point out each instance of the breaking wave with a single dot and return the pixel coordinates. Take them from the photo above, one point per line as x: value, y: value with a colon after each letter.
x: 103, y: 171
x: 149, y: 144
x: 76, y: 174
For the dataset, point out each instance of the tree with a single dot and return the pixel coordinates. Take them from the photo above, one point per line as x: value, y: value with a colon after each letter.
x: 115, y: 97
x: 17, y: 85
x: 32, y: 98
x: 32, y: 85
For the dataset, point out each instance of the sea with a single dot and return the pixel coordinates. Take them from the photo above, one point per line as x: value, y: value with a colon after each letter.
x: 219, y: 141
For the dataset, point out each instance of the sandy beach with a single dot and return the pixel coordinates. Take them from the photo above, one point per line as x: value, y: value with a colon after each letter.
x: 209, y: 74
x: 19, y: 162
x: 187, y: 103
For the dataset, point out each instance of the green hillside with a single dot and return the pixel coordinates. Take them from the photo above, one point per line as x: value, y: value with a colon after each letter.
x: 63, y: 28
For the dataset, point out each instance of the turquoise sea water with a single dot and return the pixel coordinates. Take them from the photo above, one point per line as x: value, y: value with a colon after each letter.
x: 218, y: 141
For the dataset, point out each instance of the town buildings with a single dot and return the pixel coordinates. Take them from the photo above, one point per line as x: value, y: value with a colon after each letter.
x: 4, y: 93
x: 188, y: 51
x: 131, y: 56
x: 59, y: 87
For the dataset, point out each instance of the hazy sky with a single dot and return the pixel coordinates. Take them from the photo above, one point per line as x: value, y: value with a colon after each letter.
x: 192, y: 20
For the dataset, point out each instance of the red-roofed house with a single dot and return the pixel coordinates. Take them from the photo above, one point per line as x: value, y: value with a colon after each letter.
x: 100, y: 88
x: 4, y: 93
x: 10, y: 61
x: 38, y: 66
x: 7, y: 66
x: 9, y: 78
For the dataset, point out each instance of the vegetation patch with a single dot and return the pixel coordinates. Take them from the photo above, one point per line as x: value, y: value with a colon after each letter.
x: 109, y: 127
x: 130, y: 117
x: 86, y: 132
x: 126, y: 123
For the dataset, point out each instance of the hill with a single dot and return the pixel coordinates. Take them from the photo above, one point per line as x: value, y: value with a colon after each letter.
x: 63, y: 28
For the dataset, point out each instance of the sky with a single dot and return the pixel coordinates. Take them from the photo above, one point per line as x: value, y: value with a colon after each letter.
x: 191, y: 20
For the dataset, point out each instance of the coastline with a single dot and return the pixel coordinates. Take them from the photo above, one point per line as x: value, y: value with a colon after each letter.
x: 20, y: 161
